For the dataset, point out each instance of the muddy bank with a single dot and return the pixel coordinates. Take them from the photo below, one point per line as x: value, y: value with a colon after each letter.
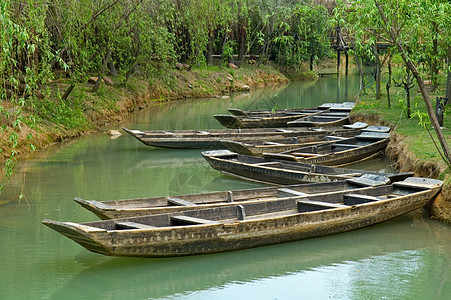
x: 405, y: 161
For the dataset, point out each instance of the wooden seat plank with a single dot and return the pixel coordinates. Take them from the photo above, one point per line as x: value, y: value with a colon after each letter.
x: 180, y: 202
x: 306, y: 205
x: 291, y: 192
x: 133, y: 225
x: 192, y: 220
x: 354, y: 199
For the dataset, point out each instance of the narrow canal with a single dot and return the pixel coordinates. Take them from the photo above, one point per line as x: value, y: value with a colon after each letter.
x: 406, y: 258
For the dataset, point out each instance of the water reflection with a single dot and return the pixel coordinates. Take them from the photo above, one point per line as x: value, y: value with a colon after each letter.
x: 343, y: 265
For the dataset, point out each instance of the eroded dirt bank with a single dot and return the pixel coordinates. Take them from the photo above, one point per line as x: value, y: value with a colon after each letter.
x: 405, y: 161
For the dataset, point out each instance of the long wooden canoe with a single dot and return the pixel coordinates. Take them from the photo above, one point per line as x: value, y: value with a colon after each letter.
x: 156, y: 205
x: 248, y: 225
x: 259, y: 147
x: 211, y: 139
x: 279, y: 119
x: 339, y: 152
x: 273, y: 171
x: 321, y: 120
x: 344, y: 107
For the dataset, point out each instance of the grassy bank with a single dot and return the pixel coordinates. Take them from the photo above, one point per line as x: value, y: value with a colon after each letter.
x: 411, y: 147
x: 84, y: 112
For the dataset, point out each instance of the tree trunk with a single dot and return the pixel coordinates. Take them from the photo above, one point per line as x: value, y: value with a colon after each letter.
x: 112, y: 68
x: 377, y: 76
x: 242, y: 42
x: 434, y: 62
x: 209, y: 55
x: 101, y: 74
x: 312, y: 58
x: 407, y: 89
x: 448, y: 78
x: 388, y: 85
x: 130, y: 72
x: 68, y: 91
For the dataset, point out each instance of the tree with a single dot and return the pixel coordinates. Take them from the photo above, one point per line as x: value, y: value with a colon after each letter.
x: 406, y: 26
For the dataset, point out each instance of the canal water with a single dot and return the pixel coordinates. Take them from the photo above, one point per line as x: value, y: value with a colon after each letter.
x: 406, y: 258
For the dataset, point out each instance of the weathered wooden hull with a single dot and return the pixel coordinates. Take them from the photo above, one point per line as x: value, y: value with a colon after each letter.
x: 232, y: 121
x: 343, y: 107
x: 229, y: 233
x: 211, y: 139
x: 258, y: 148
x: 274, y: 171
x: 125, y: 208
x: 321, y: 120
x: 275, y: 146
x: 337, y: 153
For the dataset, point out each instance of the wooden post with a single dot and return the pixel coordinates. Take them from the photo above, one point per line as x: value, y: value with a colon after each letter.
x: 347, y: 62
x: 338, y: 61
x: 440, y: 104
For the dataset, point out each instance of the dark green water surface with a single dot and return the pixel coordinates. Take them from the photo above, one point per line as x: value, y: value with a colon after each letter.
x: 406, y: 258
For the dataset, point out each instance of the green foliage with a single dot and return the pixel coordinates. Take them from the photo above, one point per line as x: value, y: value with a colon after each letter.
x: 76, y: 39
x: 290, y: 32
x: 24, y: 67
x: 228, y: 50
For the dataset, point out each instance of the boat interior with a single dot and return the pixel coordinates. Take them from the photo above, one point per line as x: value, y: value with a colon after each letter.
x: 261, y: 210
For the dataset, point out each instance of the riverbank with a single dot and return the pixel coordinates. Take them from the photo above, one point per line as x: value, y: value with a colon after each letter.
x: 85, y: 112
x: 410, y: 147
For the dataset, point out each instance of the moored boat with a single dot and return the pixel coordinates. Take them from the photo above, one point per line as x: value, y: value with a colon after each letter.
x: 273, y: 171
x: 340, y: 152
x: 211, y: 139
x: 344, y: 107
x: 320, y: 120
x: 248, y: 225
x: 156, y: 205
x: 282, y: 145
x: 279, y: 119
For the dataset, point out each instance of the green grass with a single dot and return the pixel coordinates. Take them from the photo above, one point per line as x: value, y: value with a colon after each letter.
x: 414, y: 129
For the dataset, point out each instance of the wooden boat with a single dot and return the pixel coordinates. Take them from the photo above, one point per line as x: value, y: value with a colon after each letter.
x: 278, y: 119
x: 321, y: 120
x: 247, y: 225
x: 168, y: 277
x: 344, y: 107
x: 156, y: 205
x: 339, y: 152
x: 257, y: 148
x: 211, y: 139
x: 273, y: 171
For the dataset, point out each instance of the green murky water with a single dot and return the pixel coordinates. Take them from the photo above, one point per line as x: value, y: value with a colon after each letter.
x: 406, y: 258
